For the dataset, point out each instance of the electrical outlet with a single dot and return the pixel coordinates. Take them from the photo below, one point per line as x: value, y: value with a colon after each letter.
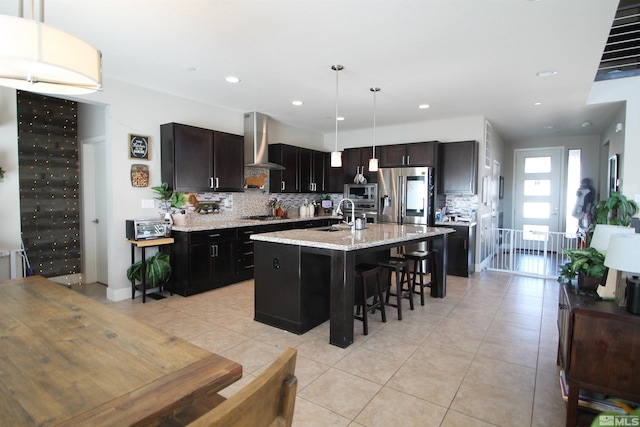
x: 148, y: 204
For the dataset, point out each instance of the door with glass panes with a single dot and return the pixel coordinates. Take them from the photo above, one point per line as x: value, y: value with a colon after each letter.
x: 538, y: 184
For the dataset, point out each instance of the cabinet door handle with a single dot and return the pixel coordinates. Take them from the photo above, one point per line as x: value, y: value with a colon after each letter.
x: 408, y: 159
x: 402, y: 160
x: 282, y: 186
x: 214, y: 251
x: 214, y: 235
x: 211, y: 182
x: 217, y: 183
x: 248, y: 266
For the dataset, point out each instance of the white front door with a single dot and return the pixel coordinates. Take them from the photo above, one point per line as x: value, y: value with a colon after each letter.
x: 538, y: 188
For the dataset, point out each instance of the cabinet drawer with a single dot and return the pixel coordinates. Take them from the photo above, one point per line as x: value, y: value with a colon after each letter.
x: 212, y: 236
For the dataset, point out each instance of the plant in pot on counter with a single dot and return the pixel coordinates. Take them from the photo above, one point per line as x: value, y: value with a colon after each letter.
x: 157, y: 270
x: 168, y: 198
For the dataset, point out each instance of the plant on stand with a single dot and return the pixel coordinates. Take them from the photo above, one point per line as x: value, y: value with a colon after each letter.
x: 587, y: 264
x: 157, y: 270
x: 170, y: 202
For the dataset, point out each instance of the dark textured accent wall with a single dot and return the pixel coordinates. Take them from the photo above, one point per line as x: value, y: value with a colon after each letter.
x: 49, y: 183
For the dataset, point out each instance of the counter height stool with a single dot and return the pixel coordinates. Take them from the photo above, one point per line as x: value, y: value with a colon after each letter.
x: 418, y: 258
x: 400, y: 267
x: 367, y: 285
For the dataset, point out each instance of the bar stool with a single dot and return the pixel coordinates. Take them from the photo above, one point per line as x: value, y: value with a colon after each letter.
x: 418, y: 257
x: 401, y: 268
x: 367, y: 284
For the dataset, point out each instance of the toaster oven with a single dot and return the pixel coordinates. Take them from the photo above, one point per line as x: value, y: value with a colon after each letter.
x: 144, y: 229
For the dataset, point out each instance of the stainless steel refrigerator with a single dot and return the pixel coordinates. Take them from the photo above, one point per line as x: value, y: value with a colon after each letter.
x: 406, y: 195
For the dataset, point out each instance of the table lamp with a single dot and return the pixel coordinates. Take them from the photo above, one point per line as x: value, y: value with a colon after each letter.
x: 622, y: 255
x: 603, y: 232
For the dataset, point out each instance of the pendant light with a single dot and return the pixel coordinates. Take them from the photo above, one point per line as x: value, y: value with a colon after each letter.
x: 39, y: 58
x: 373, y: 162
x: 336, y: 156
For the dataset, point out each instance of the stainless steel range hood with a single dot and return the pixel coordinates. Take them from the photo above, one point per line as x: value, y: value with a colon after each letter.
x: 256, y: 144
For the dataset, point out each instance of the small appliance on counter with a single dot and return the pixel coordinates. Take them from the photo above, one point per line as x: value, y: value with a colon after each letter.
x: 145, y: 229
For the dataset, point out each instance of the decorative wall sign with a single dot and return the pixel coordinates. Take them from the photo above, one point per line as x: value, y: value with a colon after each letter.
x: 138, y: 147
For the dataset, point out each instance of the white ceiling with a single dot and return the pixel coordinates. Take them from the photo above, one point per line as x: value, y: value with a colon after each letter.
x: 462, y: 57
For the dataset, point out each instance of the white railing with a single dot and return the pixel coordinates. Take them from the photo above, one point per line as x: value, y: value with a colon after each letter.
x: 528, y: 253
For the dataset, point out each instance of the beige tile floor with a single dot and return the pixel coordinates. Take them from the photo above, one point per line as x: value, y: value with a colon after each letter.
x: 483, y: 356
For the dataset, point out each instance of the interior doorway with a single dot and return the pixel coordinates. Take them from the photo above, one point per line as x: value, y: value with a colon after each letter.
x: 94, y: 179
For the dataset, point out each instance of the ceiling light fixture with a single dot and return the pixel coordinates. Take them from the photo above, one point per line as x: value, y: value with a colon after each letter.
x: 546, y: 73
x: 423, y: 106
x: 586, y: 124
x: 336, y: 156
x: 232, y: 79
x: 297, y: 103
x: 39, y: 58
x: 373, y: 162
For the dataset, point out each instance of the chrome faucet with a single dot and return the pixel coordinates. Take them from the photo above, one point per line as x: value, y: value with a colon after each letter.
x: 353, y: 211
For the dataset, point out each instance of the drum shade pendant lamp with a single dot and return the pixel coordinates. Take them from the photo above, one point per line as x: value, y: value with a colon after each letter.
x: 373, y: 162
x: 336, y: 156
x: 39, y: 58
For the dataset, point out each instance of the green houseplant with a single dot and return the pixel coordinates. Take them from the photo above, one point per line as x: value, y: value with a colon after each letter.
x: 615, y: 210
x: 157, y: 270
x: 587, y: 264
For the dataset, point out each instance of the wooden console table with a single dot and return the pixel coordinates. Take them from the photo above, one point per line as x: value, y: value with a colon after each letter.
x: 143, y: 244
x: 69, y: 360
x: 599, y: 349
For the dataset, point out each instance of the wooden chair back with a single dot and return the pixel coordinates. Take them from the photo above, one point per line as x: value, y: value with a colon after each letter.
x: 266, y: 401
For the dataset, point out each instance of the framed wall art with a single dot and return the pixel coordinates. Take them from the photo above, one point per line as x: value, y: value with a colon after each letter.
x: 139, y: 147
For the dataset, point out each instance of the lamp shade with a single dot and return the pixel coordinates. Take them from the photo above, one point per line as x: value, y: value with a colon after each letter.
x: 336, y: 159
x: 622, y: 253
x: 40, y: 58
x: 603, y: 233
x: 373, y: 164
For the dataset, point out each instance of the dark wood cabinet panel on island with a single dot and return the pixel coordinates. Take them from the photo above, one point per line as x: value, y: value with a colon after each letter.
x: 199, y: 160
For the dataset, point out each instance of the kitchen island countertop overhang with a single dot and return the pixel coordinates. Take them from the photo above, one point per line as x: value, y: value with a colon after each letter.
x: 302, y: 274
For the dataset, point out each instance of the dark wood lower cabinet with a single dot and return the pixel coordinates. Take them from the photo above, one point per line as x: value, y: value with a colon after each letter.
x: 205, y: 260
x: 461, y: 251
x: 599, y: 350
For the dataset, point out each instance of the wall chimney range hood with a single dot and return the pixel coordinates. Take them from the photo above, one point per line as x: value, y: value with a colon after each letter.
x: 256, y: 143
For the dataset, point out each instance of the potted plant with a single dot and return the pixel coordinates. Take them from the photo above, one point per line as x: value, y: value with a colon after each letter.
x: 170, y: 199
x: 616, y: 210
x: 157, y: 270
x: 587, y: 264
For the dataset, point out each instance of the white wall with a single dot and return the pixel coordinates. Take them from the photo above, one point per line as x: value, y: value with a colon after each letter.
x: 627, y: 89
x: 9, y: 188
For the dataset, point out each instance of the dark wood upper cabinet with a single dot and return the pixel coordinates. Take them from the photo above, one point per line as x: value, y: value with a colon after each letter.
x: 201, y: 160
x: 311, y: 171
x: 413, y: 154
x: 228, y: 162
x: 284, y: 181
x: 460, y: 167
x: 356, y: 160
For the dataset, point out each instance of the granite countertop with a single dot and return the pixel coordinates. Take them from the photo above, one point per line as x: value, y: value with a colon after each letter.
x: 347, y: 239
x: 456, y: 223
x: 235, y: 223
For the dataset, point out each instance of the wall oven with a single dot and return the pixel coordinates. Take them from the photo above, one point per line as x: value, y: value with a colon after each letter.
x: 365, y: 199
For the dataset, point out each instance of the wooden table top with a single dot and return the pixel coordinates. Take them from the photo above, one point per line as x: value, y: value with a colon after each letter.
x: 64, y: 356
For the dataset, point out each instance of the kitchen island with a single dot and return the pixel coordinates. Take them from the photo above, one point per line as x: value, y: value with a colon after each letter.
x: 304, y: 277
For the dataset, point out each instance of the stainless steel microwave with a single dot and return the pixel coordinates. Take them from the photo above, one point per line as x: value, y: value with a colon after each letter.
x: 144, y: 229
x: 364, y: 196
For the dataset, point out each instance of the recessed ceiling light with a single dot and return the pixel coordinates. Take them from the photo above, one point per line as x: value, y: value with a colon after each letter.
x: 297, y: 102
x: 586, y: 124
x: 191, y: 69
x: 537, y: 103
x: 232, y: 79
x: 423, y: 106
x: 339, y: 118
x: 548, y: 127
x: 546, y: 73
